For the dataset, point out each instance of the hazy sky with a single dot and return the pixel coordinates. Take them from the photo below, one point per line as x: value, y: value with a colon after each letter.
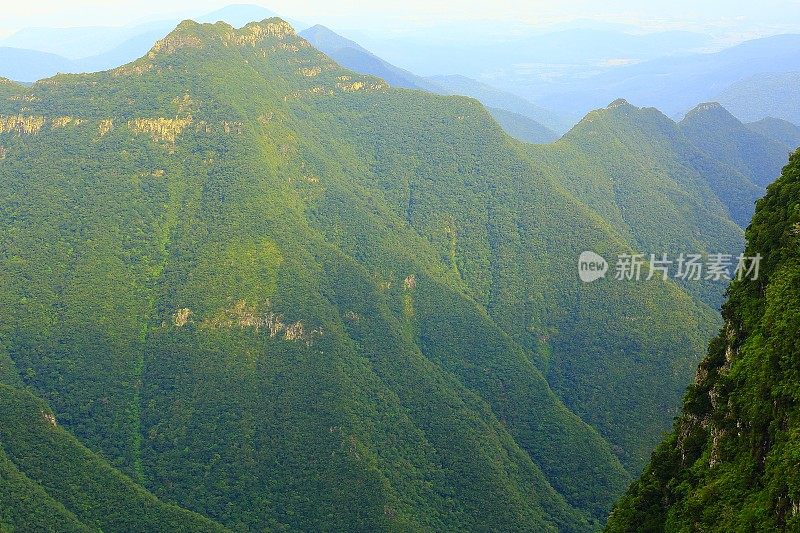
x: 721, y: 17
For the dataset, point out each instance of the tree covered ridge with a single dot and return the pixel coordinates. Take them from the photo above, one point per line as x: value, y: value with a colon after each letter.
x: 284, y: 296
x: 200, y: 285
x: 731, y: 462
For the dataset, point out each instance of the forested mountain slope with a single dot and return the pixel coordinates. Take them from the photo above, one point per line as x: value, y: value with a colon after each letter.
x: 711, y: 127
x: 777, y: 129
x: 637, y: 170
x: 520, y: 118
x: 731, y: 462
x: 285, y: 296
x: 50, y: 482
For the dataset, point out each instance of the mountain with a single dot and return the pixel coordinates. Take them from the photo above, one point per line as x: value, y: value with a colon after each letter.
x: 730, y: 463
x: 51, y: 482
x: 711, y: 127
x: 284, y: 295
x: 675, y: 84
x: 351, y: 55
x: 498, y: 99
x: 521, y: 127
x: 30, y: 65
x: 636, y: 168
x: 517, y: 116
x: 238, y: 15
x: 778, y: 130
x: 241, y: 310
x: 764, y: 95
x: 32, y: 54
x: 514, y: 113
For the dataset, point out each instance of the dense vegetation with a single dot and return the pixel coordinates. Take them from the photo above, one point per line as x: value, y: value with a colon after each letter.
x: 285, y: 296
x: 778, y: 130
x: 731, y: 462
x: 758, y: 156
x: 50, y: 482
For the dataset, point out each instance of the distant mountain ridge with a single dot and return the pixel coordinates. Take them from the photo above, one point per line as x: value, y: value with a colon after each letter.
x: 675, y: 84
x: 765, y: 95
x: 496, y: 98
x: 714, y: 129
x: 521, y: 118
x: 777, y: 129
x: 353, y: 56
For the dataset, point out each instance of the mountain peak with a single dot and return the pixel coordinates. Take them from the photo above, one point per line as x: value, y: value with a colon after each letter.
x: 711, y: 111
x: 620, y: 102
x: 708, y: 106
x: 192, y: 34
x: 238, y: 15
x: 319, y: 27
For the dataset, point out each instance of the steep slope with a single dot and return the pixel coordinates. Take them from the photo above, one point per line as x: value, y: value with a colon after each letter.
x: 353, y: 56
x: 504, y: 224
x: 778, y: 130
x: 718, y: 133
x: 521, y: 127
x: 730, y: 463
x: 220, y: 305
x: 50, y: 482
x: 637, y: 170
x: 772, y: 94
x: 283, y: 295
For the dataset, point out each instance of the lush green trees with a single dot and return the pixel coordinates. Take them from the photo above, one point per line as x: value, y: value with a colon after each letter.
x: 51, y: 482
x: 731, y: 462
x: 284, y: 296
x: 721, y: 135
